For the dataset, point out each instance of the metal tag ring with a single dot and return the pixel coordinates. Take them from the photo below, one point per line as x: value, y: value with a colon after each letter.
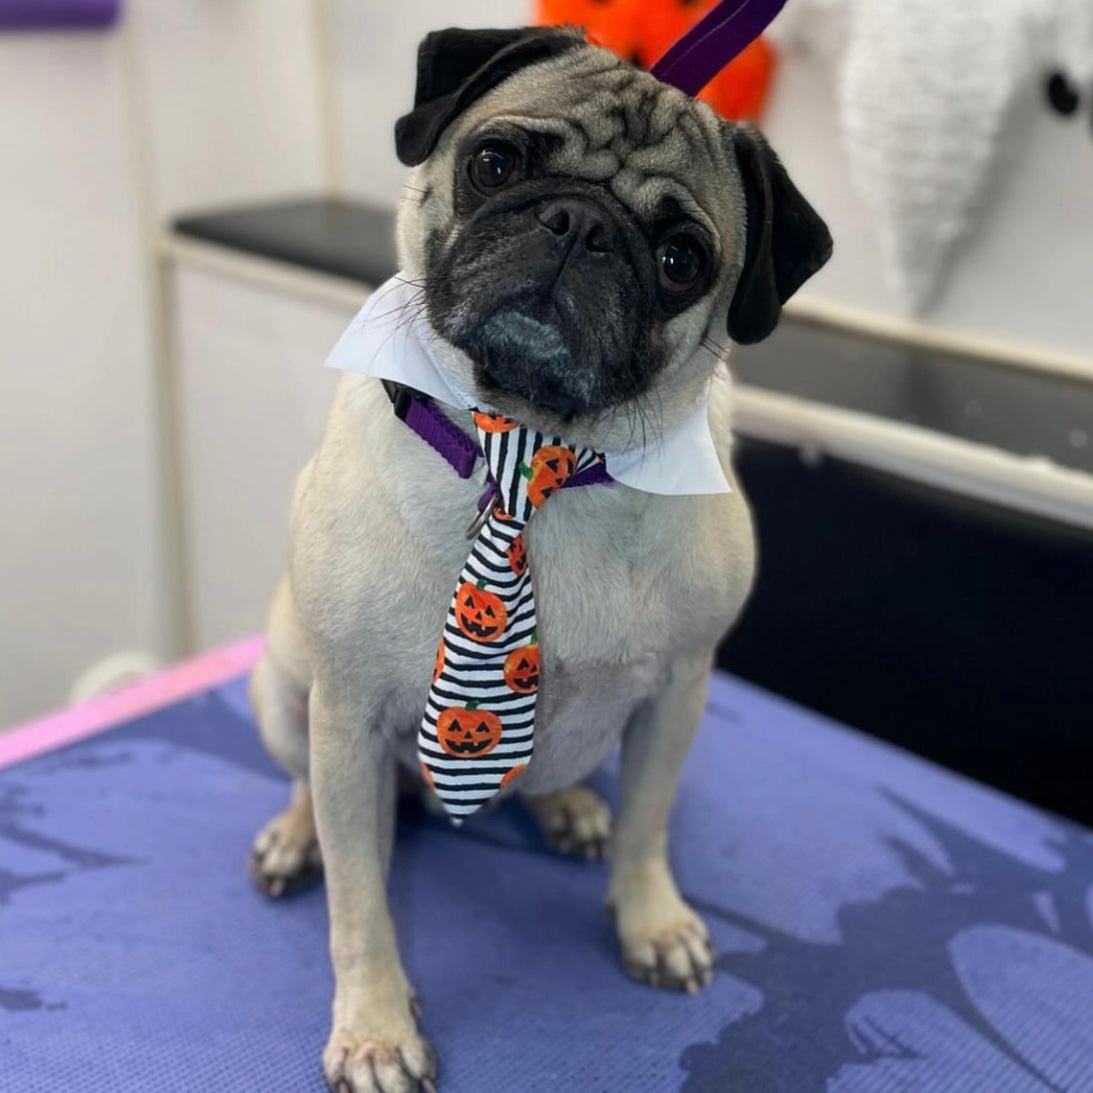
x: 480, y: 518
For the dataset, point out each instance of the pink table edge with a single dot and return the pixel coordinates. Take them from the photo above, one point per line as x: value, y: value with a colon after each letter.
x: 146, y: 695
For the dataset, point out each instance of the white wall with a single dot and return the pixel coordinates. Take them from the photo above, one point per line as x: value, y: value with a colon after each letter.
x: 373, y: 53
x: 228, y: 99
x: 78, y: 561
x: 103, y: 135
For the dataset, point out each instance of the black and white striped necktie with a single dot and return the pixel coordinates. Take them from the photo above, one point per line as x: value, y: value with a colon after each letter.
x: 477, y: 733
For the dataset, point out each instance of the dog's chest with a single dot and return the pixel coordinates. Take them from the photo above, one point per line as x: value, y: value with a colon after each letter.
x: 620, y: 591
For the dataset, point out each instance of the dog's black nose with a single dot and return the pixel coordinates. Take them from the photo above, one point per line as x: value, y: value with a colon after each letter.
x: 574, y: 220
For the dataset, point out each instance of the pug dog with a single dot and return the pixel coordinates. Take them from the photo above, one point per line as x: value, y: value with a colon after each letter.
x: 582, y: 238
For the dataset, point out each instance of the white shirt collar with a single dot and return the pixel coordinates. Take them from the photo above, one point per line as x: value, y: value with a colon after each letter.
x: 388, y: 340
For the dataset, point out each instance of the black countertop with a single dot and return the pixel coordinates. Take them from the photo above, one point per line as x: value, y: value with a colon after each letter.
x: 341, y: 238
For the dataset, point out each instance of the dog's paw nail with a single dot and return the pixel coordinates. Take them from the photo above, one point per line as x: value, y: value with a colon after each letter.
x: 428, y: 1085
x: 675, y: 957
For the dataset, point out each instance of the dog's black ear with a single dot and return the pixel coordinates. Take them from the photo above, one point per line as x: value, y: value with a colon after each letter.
x: 787, y: 240
x: 455, y: 67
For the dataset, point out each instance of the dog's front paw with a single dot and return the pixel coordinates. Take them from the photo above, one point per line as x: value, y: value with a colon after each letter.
x: 403, y: 1062
x: 575, y: 821
x: 678, y: 957
x: 664, y: 943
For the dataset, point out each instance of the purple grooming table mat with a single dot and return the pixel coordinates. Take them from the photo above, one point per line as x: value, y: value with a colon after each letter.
x: 883, y: 925
x: 57, y: 14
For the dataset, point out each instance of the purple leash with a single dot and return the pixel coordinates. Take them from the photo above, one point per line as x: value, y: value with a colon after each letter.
x: 714, y: 41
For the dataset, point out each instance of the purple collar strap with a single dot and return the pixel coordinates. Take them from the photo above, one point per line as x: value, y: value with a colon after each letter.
x: 454, y: 446
x: 714, y: 41
x: 445, y: 437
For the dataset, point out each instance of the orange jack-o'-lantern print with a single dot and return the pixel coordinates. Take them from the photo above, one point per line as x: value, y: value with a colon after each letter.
x: 551, y: 467
x: 512, y: 775
x: 438, y: 664
x: 479, y: 614
x: 493, y: 423
x: 467, y: 732
x: 517, y: 556
x: 522, y: 669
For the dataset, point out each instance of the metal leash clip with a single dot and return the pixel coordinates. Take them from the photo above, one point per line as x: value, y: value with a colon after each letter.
x: 488, y: 503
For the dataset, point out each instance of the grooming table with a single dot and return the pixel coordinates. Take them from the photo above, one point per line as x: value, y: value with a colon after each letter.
x: 883, y: 925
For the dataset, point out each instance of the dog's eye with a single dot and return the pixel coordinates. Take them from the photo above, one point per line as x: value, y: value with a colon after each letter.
x: 679, y: 263
x: 494, y: 166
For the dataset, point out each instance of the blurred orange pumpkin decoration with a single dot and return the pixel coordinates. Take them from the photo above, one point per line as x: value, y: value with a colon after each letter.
x: 643, y: 30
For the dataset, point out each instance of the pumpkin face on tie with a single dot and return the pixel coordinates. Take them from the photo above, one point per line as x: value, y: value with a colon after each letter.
x: 522, y: 669
x: 438, y: 664
x: 517, y: 556
x: 551, y: 467
x: 512, y: 775
x: 468, y: 733
x: 479, y: 614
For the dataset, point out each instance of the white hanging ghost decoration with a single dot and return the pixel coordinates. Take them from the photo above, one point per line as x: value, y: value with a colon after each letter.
x: 926, y: 89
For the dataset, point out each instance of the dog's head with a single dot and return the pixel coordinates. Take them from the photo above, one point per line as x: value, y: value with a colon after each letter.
x: 583, y: 233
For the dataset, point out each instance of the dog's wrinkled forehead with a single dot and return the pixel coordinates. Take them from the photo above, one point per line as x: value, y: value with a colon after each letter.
x: 617, y: 126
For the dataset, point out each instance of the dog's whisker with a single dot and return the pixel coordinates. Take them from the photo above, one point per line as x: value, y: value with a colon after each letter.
x: 715, y: 347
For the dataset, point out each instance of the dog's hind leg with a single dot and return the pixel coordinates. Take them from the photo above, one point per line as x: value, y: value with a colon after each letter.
x: 575, y: 821
x: 285, y: 855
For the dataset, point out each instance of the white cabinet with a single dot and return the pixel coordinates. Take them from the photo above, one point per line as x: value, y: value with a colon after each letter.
x: 252, y: 395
